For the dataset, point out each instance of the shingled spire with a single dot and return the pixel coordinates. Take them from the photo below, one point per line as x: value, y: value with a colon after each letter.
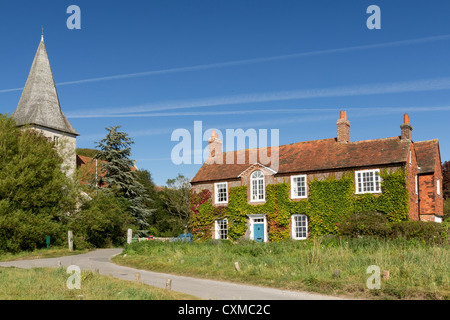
x: 39, y: 103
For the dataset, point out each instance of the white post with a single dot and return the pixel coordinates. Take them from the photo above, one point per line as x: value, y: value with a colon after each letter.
x: 130, y: 236
x: 70, y: 236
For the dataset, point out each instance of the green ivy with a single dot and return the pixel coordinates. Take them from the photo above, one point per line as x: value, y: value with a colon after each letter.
x: 329, y: 202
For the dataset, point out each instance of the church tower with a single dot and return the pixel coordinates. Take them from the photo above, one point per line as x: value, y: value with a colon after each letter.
x: 39, y: 109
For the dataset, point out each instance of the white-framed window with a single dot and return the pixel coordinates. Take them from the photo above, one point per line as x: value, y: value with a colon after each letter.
x: 416, y: 184
x: 438, y: 186
x: 221, y: 192
x: 299, y: 226
x: 298, y: 186
x: 368, y: 181
x: 221, y: 229
x: 257, y: 186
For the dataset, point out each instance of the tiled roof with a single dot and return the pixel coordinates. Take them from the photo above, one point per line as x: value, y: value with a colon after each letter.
x: 314, y: 156
x: 88, y: 168
x: 426, y: 153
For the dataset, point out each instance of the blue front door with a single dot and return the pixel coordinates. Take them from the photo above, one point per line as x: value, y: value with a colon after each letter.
x: 258, y: 231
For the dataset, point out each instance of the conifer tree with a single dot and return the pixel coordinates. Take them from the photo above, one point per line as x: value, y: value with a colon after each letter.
x: 115, y: 150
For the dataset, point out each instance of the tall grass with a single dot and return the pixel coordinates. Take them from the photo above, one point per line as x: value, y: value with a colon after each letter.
x: 417, y: 271
x: 51, y: 284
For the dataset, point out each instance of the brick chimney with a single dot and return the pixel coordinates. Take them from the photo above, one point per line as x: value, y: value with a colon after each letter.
x: 343, y: 128
x: 406, y: 128
x: 215, y: 148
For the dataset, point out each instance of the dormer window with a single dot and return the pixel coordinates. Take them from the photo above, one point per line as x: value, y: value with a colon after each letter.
x: 257, y: 186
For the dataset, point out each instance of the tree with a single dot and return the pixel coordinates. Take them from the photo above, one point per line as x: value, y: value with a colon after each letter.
x: 35, y: 194
x: 446, y: 179
x: 115, y: 150
x: 176, y: 199
x: 103, y: 221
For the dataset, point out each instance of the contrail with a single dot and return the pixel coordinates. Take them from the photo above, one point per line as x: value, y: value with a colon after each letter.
x: 250, y: 61
x: 342, y: 91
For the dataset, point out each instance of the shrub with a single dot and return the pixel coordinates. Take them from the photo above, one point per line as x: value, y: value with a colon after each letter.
x: 429, y: 232
x: 369, y: 223
x: 26, y: 231
x: 102, y: 222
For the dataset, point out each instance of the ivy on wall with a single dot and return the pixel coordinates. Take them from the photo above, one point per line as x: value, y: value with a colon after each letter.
x: 329, y: 202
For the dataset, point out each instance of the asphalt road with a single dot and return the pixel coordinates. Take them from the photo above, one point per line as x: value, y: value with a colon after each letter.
x: 205, y: 289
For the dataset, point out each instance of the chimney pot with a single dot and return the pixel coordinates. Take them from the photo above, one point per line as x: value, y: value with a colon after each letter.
x: 344, y: 115
x: 406, y: 118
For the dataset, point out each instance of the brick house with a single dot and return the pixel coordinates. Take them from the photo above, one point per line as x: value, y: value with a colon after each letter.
x: 303, y: 162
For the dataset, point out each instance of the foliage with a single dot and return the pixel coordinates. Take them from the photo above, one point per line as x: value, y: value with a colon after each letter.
x: 429, y: 232
x: 103, y: 221
x: 30, y: 172
x: 329, y: 202
x: 86, y: 152
x: 35, y: 194
x: 375, y: 224
x: 446, y: 179
x: 176, y: 200
x: 115, y: 150
x: 364, y: 224
x: 447, y: 209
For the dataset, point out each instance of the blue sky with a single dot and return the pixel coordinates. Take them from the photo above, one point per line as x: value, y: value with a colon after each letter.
x: 155, y: 66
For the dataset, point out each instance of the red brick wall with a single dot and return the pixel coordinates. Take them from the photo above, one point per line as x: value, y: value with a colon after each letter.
x: 438, y: 174
x: 431, y: 203
x: 427, y: 195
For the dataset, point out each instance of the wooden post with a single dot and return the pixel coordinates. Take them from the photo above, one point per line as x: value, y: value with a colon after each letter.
x: 70, y: 236
x: 236, y: 266
x: 137, y: 277
x: 129, y: 236
x: 169, y: 284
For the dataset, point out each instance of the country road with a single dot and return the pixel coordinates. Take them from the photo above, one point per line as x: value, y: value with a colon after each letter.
x: 202, y: 288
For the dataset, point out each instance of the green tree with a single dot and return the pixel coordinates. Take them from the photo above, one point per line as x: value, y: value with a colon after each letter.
x: 35, y: 195
x: 176, y: 198
x: 115, y: 150
x: 103, y: 221
x: 446, y: 179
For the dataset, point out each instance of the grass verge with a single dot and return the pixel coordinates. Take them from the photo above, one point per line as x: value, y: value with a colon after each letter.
x: 51, y: 284
x: 40, y: 254
x: 416, y: 270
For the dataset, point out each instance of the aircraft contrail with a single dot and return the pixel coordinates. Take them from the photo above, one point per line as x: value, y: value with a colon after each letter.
x: 249, y: 61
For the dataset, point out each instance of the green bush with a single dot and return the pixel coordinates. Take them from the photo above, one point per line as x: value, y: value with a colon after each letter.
x: 26, y: 231
x: 365, y: 224
x: 376, y: 224
x: 102, y: 221
x: 429, y: 232
x: 35, y: 193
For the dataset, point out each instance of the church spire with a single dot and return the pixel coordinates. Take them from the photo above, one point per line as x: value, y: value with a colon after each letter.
x: 39, y: 103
